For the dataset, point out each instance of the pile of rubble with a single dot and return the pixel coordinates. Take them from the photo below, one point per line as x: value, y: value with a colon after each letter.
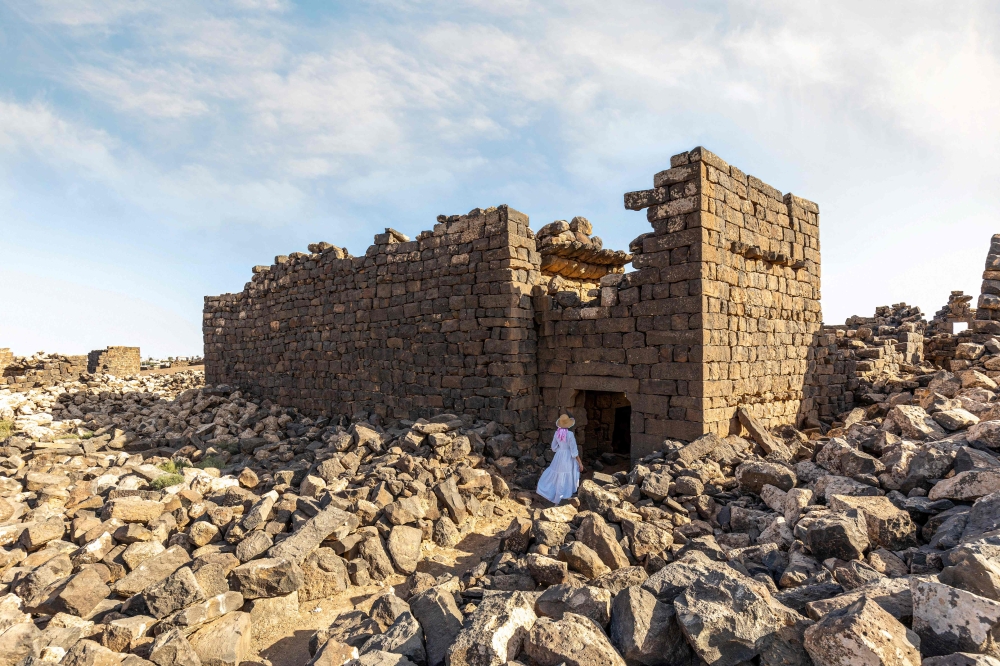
x: 18, y: 373
x: 155, y: 520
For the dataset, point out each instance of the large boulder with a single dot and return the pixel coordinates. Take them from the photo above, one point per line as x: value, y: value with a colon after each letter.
x: 753, y: 475
x: 887, y: 525
x: 583, y: 559
x: 496, y: 631
x: 585, y: 600
x: 331, y: 522
x: 573, y: 641
x: 951, y: 620
x: 862, y: 633
x: 915, y: 423
x: 967, y: 486
x: 645, y: 630
x: 403, y: 545
x: 724, y: 614
x: 224, y: 642
x: 269, y: 577
x: 841, y: 535
x: 595, y: 533
x: 440, y: 619
x: 404, y: 636
x: 324, y: 574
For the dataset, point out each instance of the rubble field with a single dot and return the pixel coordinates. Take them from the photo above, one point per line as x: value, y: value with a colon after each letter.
x: 154, y: 519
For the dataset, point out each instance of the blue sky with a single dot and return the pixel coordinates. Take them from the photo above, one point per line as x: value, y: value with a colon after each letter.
x: 151, y: 152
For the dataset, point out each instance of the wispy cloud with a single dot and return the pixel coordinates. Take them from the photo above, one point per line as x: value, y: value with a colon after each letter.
x: 265, y: 117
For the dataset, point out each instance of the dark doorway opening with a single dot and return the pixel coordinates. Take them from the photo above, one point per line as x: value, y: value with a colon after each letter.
x: 609, y: 424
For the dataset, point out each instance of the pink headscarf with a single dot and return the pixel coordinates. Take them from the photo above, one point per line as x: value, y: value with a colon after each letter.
x: 560, y: 438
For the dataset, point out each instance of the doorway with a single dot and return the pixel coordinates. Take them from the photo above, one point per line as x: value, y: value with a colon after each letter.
x: 609, y: 424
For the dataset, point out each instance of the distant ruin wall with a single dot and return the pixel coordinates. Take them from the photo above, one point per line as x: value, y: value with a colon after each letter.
x: 117, y: 361
x: 413, y: 328
x: 21, y: 374
x: 6, y: 358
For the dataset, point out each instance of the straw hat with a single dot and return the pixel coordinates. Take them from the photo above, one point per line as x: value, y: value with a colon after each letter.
x: 565, y: 422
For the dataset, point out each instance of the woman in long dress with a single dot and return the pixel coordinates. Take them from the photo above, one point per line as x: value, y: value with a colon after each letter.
x: 562, y: 477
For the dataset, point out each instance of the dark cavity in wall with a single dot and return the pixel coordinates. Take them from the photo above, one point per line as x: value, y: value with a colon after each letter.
x: 607, y: 429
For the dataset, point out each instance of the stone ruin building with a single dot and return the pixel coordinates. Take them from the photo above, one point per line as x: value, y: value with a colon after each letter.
x: 40, y: 370
x: 118, y: 361
x: 480, y: 315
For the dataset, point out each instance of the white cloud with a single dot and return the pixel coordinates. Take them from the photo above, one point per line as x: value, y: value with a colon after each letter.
x: 245, y: 113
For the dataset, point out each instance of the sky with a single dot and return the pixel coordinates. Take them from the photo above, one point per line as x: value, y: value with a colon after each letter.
x: 152, y: 152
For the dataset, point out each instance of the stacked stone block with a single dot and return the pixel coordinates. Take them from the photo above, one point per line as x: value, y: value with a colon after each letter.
x: 117, y: 361
x: 987, y: 323
x: 413, y: 328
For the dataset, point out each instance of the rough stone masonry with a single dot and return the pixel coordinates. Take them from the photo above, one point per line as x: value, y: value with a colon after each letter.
x: 482, y: 317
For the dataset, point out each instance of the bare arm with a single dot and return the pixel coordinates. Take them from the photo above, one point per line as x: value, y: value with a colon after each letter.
x: 579, y: 462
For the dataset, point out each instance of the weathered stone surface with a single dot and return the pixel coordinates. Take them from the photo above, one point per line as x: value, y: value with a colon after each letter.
x: 253, y: 545
x: 84, y: 592
x: 840, y: 535
x: 723, y: 614
x: 967, y: 486
x: 270, y: 577
x: 151, y: 571
x: 583, y: 559
x: 753, y: 475
x: 951, y: 620
x: 324, y: 574
x: 495, y: 632
x: 573, y: 641
x: 404, y: 637
x: 206, y: 611
x: 223, y: 642
x: 862, y: 633
x: 915, y: 423
x: 585, y: 600
x: 403, y: 545
x: 645, y: 630
x: 19, y: 641
x: 545, y: 570
x: 178, y: 590
x: 440, y: 619
x: 887, y: 526
x: 331, y: 522
x: 595, y: 533
x: 172, y: 648
x: 267, y: 613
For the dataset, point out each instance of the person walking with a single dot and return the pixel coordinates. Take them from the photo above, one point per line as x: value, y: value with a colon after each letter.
x: 562, y: 477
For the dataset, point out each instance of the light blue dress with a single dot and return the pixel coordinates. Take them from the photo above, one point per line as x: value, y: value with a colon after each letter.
x: 562, y: 477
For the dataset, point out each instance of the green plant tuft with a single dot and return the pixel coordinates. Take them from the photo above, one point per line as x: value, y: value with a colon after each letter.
x: 6, y: 429
x: 173, y: 466
x: 211, y: 461
x: 165, y: 481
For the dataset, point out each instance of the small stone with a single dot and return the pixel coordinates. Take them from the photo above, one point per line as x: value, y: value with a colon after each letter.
x: 248, y: 479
